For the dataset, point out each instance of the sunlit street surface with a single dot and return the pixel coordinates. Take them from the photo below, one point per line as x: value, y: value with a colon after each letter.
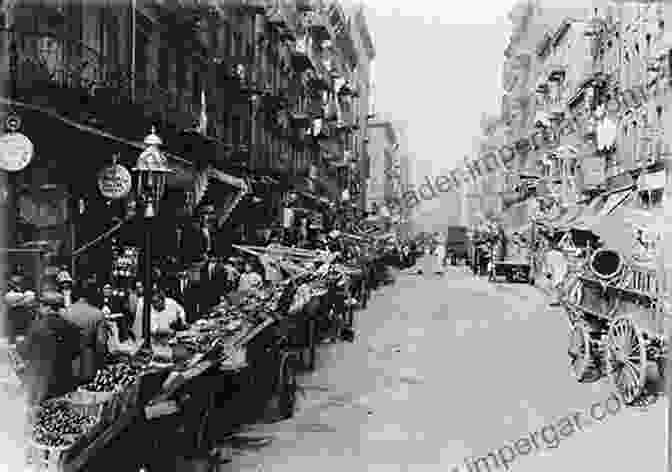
x: 448, y: 368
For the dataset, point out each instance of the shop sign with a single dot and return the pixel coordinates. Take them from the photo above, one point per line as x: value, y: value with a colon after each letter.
x: 114, y: 182
x: 4, y: 194
x: 316, y: 221
x: 16, y: 152
x: 287, y: 217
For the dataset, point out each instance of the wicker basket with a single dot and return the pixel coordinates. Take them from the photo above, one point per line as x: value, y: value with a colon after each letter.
x: 43, y: 458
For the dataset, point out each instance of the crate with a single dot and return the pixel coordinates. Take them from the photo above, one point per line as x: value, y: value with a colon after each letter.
x: 97, y: 404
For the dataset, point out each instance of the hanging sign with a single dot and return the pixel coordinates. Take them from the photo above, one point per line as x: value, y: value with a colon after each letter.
x: 13, y: 123
x: 16, y: 152
x: 316, y: 221
x: 4, y: 194
x: 114, y: 182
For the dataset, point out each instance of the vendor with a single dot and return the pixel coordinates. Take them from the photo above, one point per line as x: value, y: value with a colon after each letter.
x: 232, y: 275
x: 166, y: 315
x: 20, y: 303
x: 51, y: 346
x: 65, y: 283
x: 250, y: 280
x: 64, y: 348
x: 91, y: 322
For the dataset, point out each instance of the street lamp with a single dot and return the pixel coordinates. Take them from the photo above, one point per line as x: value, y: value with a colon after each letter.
x: 152, y: 170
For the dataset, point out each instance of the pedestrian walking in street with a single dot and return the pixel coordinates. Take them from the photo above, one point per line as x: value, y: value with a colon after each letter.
x: 439, y: 256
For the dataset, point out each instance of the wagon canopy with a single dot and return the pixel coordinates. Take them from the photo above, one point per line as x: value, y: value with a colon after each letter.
x: 632, y: 232
x: 589, y: 215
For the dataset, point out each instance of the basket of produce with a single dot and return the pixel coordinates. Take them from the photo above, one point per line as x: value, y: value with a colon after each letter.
x: 55, y: 428
x: 104, y: 395
x: 91, y: 403
x: 128, y: 398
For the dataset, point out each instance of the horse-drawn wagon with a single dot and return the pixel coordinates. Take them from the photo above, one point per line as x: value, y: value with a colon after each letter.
x: 618, y: 307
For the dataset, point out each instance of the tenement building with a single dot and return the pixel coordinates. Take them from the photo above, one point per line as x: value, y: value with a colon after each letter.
x: 261, y: 106
x: 583, y: 116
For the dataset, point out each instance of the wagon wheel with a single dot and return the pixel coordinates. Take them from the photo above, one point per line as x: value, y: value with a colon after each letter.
x: 311, y: 342
x: 575, y: 292
x: 287, y: 387
x: 582, y: 354
x: 627, y: 358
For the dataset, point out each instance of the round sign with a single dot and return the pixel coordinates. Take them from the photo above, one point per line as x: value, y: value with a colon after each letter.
x: 13, y: 123
x: 16, y: 152
x: 114, y: 182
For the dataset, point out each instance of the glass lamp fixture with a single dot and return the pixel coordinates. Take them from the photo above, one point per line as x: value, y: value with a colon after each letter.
x: 152, y: 169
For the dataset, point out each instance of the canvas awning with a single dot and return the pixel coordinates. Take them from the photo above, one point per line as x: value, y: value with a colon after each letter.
x: 572, y: 213
x: 589, y: 215
x: 612, y: 202
x: 620, y: 229
x: 515, y: 217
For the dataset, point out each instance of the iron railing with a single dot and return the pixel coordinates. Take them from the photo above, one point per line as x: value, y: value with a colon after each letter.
x: 41, y: 61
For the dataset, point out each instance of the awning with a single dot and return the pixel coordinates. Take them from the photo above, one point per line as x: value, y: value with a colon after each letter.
x: 227, y: 179
x: 566, y: 221
x: 614, y: 201
x: 515, y: 217
x: 226, y: 192
x: 589, y: 215
x: 619, y: 230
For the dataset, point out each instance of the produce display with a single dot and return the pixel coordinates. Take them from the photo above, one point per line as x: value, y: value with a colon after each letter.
x: 113, y: 377
x: 57, y: 424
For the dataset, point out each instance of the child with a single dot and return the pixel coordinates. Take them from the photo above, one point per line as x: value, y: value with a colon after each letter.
x: 250, y: 280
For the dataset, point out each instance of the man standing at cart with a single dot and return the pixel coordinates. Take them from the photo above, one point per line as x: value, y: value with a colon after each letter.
x: 90, y: 320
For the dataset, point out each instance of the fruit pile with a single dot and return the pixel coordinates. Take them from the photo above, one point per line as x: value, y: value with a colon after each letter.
x: 113, y: 377
x: 57, y: 424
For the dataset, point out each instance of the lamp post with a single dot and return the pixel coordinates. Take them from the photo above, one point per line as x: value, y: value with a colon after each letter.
x: 152, y: 170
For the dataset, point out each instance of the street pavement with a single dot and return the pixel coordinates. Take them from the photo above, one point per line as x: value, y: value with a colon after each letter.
x: 445, y: 368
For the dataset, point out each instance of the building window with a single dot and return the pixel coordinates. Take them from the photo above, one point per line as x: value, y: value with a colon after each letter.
x: 235, y: 131
x: 650, y: 199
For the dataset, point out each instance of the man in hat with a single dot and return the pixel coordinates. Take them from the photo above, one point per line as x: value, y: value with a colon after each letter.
x: 51, y: 345
x: 20, y: 303
x: 64, y: 281
x: 90, y: 320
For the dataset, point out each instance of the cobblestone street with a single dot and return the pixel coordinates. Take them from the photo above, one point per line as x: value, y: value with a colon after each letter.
x: 399, y: 398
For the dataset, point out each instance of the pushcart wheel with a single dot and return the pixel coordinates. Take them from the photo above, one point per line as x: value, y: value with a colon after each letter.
x: 284, y: 395
x: 312, y: 347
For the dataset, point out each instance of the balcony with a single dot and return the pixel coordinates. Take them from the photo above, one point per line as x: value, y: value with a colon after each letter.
x: 41, y: 62
x: 300, y: 52
x: 557, y: 75
x: 255, y: 6
x: 317, y: 25
x: 76, y: 79
x: 306, y: 5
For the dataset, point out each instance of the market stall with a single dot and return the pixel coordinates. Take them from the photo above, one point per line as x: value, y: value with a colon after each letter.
x: 323, y: 305
x: 136, y: 387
